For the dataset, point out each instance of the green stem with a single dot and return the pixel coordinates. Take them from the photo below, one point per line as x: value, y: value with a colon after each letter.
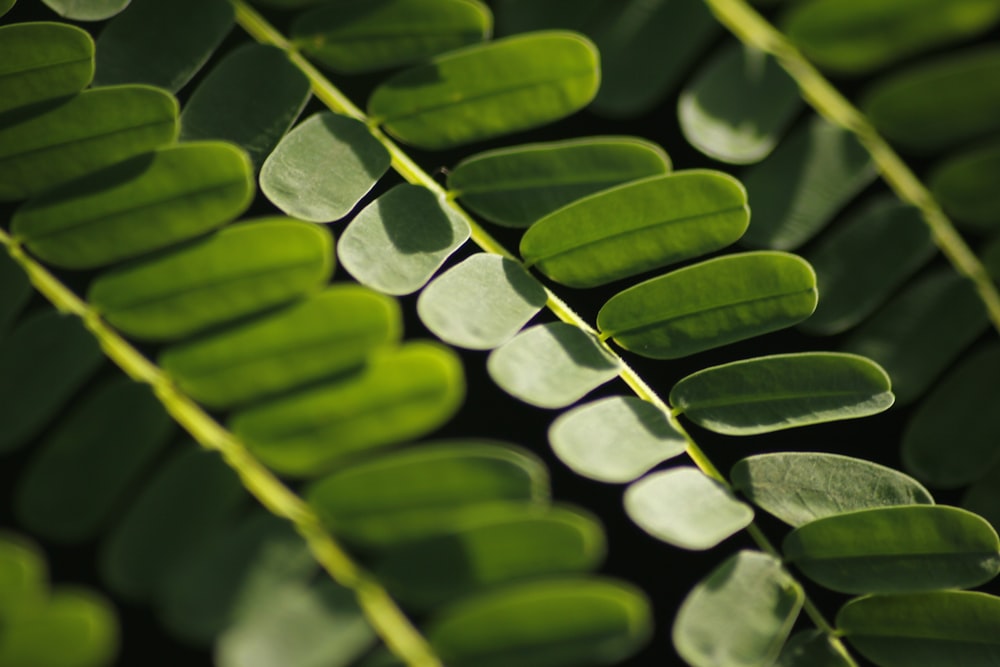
x: 382, y: 612
x: 754, y: 30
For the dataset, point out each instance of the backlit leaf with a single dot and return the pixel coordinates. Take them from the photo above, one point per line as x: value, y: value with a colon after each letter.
x: 710, y: 304
x: 965, y: 187
x: 532, y: 79
x: 43, y: 61
x: 91, y: 10
x: 813, y: 648
x: 516, y: 186
x: 782, y: 391
x: 636, y: 227
x: 241, y: 270
x: 322, y: 168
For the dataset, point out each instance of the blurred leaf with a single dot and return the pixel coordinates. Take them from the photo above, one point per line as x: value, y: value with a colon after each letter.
x: 161, y: 42
x: 480, y: 303
x: 908, y: 105
x: 43, y: 361
x: 516, y: 186
x: 228, y: 105
x: 143, y: 204
x: 799, y: 188
x: 813, y: 648
x: 544, y: 623
x: 91, y: 10
x: 953, y: 437
x: 858, y: 36
x: 15, y: 291
x: 81, y: 472
x: 495, y: 546
x: 374, y: 35
x: 636, y: 227
x: 324, y: 335
x: 411, y: 493
x: 782, y: 391
x: 551, y: 365
x: 983, y: 496
x: 685, y: 508
x: 740, y: 615
x: 924, y: 629
x: 799, y: 487
x: 965, y: 185
x: 43, y: 61
x: 287, y: 4
x: 5, y: 6
x: 532, y: 80
x: 241, y: 270
x: 401, y: 394
x: 710, y: 304
x: 614, y: 439
x: 323, y: 168
x: 863, y: 260
x: 22, y: 574
x: 920, y: 332
x: 903, y: 549
x: 738, y: 105
x: 94, y: 129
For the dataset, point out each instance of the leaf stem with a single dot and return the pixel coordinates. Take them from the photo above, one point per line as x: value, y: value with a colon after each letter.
x: 754, y: 30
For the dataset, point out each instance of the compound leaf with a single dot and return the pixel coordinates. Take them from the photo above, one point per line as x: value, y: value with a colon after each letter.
x: 43, y: 61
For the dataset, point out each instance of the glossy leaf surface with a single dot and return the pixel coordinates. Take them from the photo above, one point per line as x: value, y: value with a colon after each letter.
x: 480, y: 303
x: 94, y: 129
x: 532, y: 80
x: 782, y: 391
x: 551, y: 365
x: 92, y: 10
x: 799, y: 487
x: 964, y: 185
x: 614, y: 439
x: 241, y: 270
x: 740, y: 615
x: 516, y: 186
x: 396, y: 243
x: 43, y: 61
x: 401, y: 394
x: 322, y: 168
x: 710, y: 304
x: 637, y: 227
x: 147, y: 203
x: 354, y: 38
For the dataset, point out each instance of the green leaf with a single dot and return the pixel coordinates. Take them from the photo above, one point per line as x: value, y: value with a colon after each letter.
x: 532, y: 80
x: 43, y: 361
x: 516, y: 186
x: 322, y: 336
x: 799, y: 188
x: 918, y: 334
x: 480, y: 303
x: 799, y: 487
x: 91, y: 130
x: 964, y: 185
x: 685, y: 508
x: 813, y: 648
x: 398, y: 241
x: 323, y: 168
x: 241, y: 270
x: 547, y: 623
x: 161, y: 42
x: 149, y: 202
x: 91, y: 10
x: 83, y: 469
x: 227, y: 104
x: 495, y: 546
x: 740, y: 615
x: 551, y: 365
x: 43, y: 61
x: 710, y: 304
x: 925, y: 629
x: 5, y: 6
x: 904, y: 549
x: 963, y: 403
x: 863, y: 260
x: 353, y: 38
x: 907, y: 106
x: 636, y: 227
x: 857, y: 36
x: 782, y: 391
x: 15, y: 291
x: 738, y: 105
x: 22, y: 574
x: 983, y: 496
x: 401, y: 394
x: 191, y: 497
x: 412, y: 493
x: 615, y: 439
